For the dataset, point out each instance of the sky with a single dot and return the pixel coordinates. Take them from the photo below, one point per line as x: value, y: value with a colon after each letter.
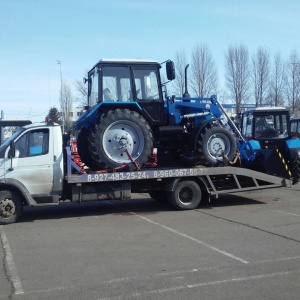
x: 35, y: 34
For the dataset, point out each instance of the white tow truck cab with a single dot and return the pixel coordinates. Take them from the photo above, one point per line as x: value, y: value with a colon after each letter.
x: 37, y: 169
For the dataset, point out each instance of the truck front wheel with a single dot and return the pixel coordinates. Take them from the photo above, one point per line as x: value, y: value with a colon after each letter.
x: 11, y: 207
x: 186, y: 195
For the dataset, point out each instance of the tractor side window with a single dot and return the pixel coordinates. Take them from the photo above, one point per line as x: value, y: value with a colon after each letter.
x: 281, y: 126
x: 247, y: 126
x: 93, y: 86
x: 33, y: 143
x: 116, y: 83
x: 125, y: 89
x: 146, y: 84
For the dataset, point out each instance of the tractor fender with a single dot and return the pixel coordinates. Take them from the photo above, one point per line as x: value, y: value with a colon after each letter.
x: 293, y: 148
x: 196, y: 132
x: 90, y: 116
x: 16, y: 185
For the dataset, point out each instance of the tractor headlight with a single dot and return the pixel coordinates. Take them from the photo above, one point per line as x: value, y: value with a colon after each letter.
x: 207, y: 106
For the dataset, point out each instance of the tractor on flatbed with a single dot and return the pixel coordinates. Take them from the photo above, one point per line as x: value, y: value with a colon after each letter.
x: 129, y: 114
x: 271, y: 148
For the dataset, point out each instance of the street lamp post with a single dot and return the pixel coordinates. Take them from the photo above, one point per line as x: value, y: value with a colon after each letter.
x: 61, y: 99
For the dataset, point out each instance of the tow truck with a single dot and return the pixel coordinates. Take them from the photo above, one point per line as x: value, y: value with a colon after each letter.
x: 38, y: 169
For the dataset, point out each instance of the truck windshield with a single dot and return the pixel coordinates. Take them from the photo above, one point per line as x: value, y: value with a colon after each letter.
x: 5, y: 145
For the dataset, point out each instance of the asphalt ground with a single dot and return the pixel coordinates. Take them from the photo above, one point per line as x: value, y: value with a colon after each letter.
x: 244, y: 246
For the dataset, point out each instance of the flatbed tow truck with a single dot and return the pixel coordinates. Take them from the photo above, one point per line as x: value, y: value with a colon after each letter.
x: 36, y: 169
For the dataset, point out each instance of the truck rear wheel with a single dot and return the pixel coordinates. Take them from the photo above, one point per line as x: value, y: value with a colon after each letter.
x: 11, y: 207
x: 119, y: 131
x: 186, y: 195
x: 215, y: 143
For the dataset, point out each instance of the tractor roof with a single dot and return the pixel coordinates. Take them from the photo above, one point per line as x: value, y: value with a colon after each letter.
x: 270, y: 109
x: 127, y: 60
x: 122, y: 61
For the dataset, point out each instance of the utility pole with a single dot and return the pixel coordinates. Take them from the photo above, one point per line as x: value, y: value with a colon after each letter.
x: 61, y: 99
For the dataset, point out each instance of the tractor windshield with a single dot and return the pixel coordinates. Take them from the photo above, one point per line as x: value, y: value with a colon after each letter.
x: 116, y: 84
x: 265, y: 125
x: 270, y: 126
x: 295, y: 127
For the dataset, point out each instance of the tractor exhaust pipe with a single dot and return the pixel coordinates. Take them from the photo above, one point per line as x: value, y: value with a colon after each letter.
x: 186, y: 93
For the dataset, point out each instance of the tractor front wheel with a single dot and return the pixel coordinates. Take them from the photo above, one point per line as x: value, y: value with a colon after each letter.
x: 215, y: 145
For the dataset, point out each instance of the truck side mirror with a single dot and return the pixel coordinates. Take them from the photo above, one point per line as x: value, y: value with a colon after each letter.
x: 12, y: 150
x: 170, y: 70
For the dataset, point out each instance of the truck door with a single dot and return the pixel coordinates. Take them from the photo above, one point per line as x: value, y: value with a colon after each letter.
x: 33, y: 164
x: 149, y: 94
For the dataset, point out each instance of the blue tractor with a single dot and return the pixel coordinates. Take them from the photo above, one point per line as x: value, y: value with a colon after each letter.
x: 267, y: 143
x: 129, y: 113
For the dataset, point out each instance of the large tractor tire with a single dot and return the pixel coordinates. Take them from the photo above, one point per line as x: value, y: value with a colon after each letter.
x: 216, y: 145
x: 295, y: 169
x: 82, y: 148
x: 116, y: 133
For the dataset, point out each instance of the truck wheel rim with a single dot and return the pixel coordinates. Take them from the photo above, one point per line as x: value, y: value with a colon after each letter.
x: 186, y: 195
x: 7, y: 208
x: 121, y: 136
x: 218, y: 145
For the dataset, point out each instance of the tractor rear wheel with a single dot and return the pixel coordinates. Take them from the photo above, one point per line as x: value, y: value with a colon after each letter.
x: 215, y: 145
x: 119, y: 134
x: 82, y: 146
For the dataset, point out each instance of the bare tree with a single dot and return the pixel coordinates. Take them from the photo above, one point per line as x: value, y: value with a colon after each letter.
x: 261, y: 75
x: 237, y: 74
x: 205, y: 79
x: 66, y: 103
x: 293, y: 82
x: 277, y: 80
x: 82, y: 92
x: 180, y: 64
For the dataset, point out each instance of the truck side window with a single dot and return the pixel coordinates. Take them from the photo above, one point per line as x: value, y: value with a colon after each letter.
x: 33, y: 143
x: 21, y: 145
